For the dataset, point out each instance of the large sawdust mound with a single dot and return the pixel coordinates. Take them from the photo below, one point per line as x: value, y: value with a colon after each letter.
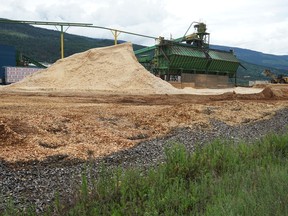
x: 113, y: 69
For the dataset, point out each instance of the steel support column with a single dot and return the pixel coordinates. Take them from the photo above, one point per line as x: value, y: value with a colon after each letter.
x: 62, y: 42
x: 115, y: 33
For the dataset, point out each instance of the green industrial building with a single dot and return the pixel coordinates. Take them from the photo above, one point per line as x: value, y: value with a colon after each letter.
x: 189, y: 60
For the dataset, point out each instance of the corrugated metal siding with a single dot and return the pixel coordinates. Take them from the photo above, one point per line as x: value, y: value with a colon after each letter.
x: 176, y: 57
x: 195, y: 59
x: 181, y: 57
x: 223, y: 66
x: 186, y: 62
x: 187, y: 51
x: 221, y: 55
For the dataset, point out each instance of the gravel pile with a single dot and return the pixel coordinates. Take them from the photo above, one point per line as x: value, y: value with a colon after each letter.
x: 36, y: 183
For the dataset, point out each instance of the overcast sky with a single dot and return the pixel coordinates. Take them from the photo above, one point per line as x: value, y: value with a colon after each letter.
x: 260, y: 25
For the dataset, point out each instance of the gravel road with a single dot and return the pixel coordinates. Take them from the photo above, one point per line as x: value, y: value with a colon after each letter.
x: 36, y: 182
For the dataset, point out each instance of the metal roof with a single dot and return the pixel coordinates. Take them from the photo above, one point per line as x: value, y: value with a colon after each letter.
x: 222, y: 55
x: 186, y: 51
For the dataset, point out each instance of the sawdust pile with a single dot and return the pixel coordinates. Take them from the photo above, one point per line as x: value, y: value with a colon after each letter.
x: 112, y: 69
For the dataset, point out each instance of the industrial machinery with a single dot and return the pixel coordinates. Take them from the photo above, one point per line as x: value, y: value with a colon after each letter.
x: 188, y: 57
x: 275, y: 78
x: 14, y: 66
x: 24, y: 61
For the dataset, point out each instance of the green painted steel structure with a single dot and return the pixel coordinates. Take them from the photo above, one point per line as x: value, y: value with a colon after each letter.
x: 173, y: 57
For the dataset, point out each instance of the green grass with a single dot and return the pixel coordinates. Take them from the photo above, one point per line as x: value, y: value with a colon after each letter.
x: 220, y: 179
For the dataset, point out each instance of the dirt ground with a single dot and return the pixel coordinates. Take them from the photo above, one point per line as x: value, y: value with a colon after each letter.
x: 34, y: 126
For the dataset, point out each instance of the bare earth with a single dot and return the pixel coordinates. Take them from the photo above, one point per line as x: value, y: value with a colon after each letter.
x: 34, y: 126
x: 103, y: 100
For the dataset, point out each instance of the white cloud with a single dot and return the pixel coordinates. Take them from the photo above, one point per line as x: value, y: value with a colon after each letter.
x: 258, y: 24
